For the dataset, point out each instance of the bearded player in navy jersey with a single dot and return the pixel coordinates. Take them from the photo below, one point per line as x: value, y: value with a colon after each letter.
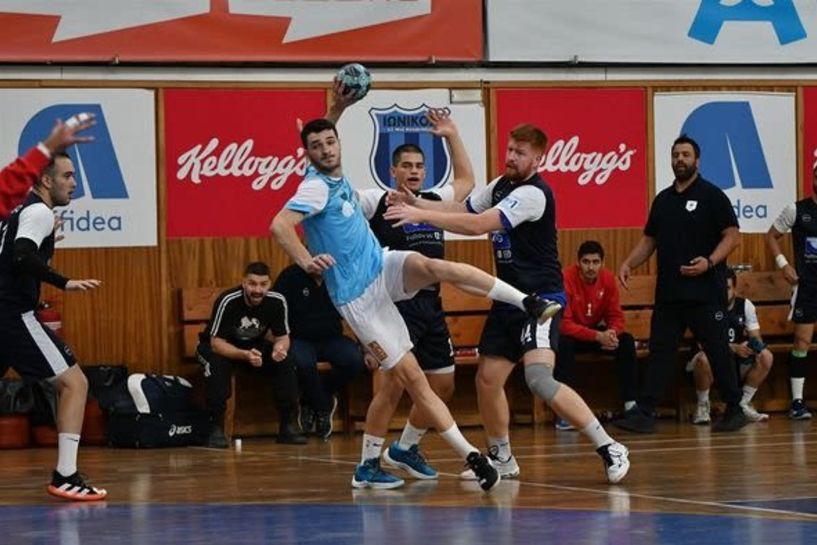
x: 519, y: 211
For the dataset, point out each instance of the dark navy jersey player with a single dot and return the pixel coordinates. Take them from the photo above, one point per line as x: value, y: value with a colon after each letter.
x: 34, y: 351
x: 518, y: 209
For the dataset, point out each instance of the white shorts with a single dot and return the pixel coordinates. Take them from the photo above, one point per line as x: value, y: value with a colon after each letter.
x: 374, y: 317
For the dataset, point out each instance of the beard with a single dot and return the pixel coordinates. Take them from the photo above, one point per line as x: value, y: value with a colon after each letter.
x: 684, y: 173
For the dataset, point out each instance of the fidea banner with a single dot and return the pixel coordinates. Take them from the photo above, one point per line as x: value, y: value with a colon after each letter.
x: 114, y: 203
x: 748, y: 148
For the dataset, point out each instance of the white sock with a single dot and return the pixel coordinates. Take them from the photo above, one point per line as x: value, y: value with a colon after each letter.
x: 68, y: 445
x: 703, y: 396
x: 504, y: 292
x: 503, y: 447
x: 371, y: 447
x: 454, y: 437
x: 411, y: 436
x: 629, y: 405
x: 748, y: 394
x: 797, y: 387
x: 596, y: 433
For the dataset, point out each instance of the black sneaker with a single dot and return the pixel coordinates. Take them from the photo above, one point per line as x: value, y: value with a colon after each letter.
x: 541, y: 309
x: 323, y: 420
x: 74, y: 488
x: 306, y: 418
x: 732, y: 420
x: 217, y: 439
x: 486, y: 473
x: 637, y: 421
x: 290, y: 436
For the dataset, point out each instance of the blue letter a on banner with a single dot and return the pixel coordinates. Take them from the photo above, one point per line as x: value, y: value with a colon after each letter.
x: 712, y: 14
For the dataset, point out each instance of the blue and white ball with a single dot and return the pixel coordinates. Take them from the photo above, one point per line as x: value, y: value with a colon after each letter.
x: 356, y: 78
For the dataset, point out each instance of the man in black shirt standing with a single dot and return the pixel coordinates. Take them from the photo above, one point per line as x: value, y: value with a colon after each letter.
x: 316, y: 333
x: 519, y: 210
x: 249, y: 325
x: 801, y: 219
x: 34, y: 351
x: 693, y: 228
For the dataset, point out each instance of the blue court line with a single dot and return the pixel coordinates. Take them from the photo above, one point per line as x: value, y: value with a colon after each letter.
x: 206, y: 524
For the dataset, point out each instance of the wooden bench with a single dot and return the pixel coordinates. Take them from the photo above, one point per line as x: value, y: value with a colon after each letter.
x: 196, y: 306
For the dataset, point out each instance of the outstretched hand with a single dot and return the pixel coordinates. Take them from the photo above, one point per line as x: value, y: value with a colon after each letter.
x: 64, y: 135
x: 403, y: 214
x: 441, y: 123
x: 342, y: 97
x: 82, y: 285
x: 402, y: 195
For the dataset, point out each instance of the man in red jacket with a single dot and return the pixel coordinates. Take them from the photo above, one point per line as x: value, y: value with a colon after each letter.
x: 17, y: 178
x: 593, y: 321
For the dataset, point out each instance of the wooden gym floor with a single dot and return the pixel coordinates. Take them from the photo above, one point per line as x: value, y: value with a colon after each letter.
x: 686, y: 486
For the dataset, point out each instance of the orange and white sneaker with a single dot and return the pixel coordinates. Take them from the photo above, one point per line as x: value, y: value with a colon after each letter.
x: 74, y: 488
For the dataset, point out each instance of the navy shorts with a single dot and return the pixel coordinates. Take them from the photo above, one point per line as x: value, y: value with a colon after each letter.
x: 32, y: 349
x: 429, y: 333
x: 510, y: 333
x: 804, y: 304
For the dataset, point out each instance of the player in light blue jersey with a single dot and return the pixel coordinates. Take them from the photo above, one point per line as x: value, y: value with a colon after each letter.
x: 364, y: 280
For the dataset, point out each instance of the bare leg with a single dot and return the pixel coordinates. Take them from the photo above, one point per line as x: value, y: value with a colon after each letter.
x: 492, y: 374
x: 420, y: 272
x: 443, y: 386
x: 763, y: 364
x: 702, y: 373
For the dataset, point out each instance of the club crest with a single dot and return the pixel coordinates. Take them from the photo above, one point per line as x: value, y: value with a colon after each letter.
x: 395, y: 126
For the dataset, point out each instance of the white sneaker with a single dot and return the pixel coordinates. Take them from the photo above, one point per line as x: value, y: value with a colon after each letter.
x: 508, y: 469
x: 701, y: 415
x: 616, y: 461
x: 752, y: 414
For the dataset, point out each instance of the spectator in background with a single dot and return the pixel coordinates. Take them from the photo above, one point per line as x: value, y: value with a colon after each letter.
x: 316, y: 334
x: 593, y: 321
x: 249, y: 326
x: 753, y: 360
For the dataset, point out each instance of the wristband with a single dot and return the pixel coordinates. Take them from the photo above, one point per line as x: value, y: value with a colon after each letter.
x: 709, y: 263
x: 781, y: 261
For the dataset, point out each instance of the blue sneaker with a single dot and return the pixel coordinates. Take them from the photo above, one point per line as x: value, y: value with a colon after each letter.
x: 369, y: 475
x: 410, y: 460
x: 799, y: 411
x: 563, y: 425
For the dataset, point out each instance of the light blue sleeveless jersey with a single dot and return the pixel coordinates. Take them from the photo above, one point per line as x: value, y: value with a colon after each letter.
x: 340, y: 230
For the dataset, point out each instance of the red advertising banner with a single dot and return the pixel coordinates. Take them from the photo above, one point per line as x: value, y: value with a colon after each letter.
x: 809, y: 138
x: 233, y: 158
x: 596, y: 161
x: 240, y: 30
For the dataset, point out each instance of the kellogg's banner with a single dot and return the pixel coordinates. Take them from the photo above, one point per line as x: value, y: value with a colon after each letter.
x: 114, y: 203
x: 239, y: 30
x: 677, y: 31
x: 809, y: 138
x: 596, y: 160
x: 233, y: 158
x: 748, y: 148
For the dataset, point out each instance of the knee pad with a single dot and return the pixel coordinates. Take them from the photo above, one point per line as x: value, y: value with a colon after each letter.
x: 541, y: 382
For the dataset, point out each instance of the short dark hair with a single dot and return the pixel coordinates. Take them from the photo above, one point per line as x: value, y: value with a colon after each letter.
x: 730, y: 275
x: 405, y: 148
x: 258, y: 268
x: 590, y: 247
x: 316, y: 126
x: 51, y: 168
x: 685, y: 139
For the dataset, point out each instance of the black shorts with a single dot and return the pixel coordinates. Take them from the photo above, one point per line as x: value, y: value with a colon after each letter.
x: 425, y: 320
x: 804, y: 303
x: 510, y: 333
x: 32, y: 349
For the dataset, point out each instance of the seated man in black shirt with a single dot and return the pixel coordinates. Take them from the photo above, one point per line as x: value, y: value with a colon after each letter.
x: 249, y: 325
x: 317, y: 334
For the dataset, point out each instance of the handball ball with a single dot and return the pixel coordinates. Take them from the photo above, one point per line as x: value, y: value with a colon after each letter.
x: 356, y: 78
